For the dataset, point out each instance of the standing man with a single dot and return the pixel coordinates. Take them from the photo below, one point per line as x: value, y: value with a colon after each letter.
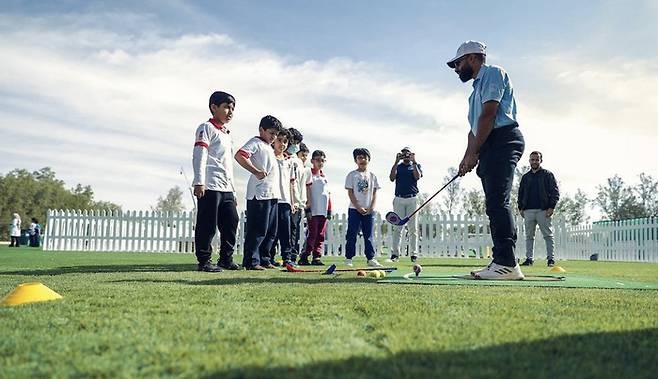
x: 405, y: 175
x: 495, y: 145
x: 538, y: 196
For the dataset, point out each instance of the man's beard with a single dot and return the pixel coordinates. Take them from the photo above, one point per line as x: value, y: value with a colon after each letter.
x: 466, y: 74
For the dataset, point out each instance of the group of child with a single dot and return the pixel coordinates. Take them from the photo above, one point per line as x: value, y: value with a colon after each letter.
x: 281, y: 191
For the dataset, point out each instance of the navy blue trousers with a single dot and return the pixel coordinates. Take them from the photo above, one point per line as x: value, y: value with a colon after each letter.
x: 498, y: 158
x: 355, y: 222
x: 283, y: 233
x: 260, y: 233
x: 215, y: 210
x: 295, y: 230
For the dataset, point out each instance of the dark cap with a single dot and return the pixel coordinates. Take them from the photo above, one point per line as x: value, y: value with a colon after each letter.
x: 220, y: 97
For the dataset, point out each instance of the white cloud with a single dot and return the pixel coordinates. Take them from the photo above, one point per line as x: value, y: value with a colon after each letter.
x: 121, y: 116
x: 117, y: 109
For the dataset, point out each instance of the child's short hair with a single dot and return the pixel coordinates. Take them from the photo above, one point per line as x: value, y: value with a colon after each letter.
x: 318, y: 153
x: 270, y: 122
x: 218, y: 98
x: 303, y: 148
x: 295, y: 136
x: 361, y: 151
x: 284, y: 133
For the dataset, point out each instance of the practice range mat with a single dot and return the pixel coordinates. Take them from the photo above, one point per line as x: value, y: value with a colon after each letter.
x: 556, y: 280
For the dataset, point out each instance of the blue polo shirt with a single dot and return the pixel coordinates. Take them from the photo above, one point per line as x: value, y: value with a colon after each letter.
x: 492, y: 83
x: 405, y: 183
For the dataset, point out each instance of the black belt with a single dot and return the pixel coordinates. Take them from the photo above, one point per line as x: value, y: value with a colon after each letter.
x: 407, y: 196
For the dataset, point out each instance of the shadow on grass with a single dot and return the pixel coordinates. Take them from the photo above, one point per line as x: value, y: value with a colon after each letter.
x: 455, y: 265
x: 104, y: 269
x: 595, y: 355
x: 283, y: 279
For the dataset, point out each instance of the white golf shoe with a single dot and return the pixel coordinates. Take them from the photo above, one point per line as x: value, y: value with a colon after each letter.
x: 373, y: 263
x: 498, y: 272
x: 348, y: 263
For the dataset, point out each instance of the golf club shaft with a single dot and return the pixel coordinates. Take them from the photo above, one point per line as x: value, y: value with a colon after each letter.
x: 430, y: 199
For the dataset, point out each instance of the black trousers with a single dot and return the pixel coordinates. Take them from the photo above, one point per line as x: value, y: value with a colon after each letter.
x: 498, y: 158
x: 260, y: 233
x: 295, y: 230
x: 283, y: 233
x: 216, y: 210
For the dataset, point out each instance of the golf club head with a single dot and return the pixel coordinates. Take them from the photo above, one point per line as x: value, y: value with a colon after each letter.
x: 290, y: 268
x: 394, y: 219
x: 330, y: 270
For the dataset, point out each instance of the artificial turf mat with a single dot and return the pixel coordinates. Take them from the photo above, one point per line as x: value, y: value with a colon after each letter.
x: 562, y: 280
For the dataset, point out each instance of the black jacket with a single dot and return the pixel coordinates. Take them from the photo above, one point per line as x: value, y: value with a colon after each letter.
x: 549, y: 193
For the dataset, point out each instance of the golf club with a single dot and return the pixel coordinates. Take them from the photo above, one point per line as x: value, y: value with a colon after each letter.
x: 332, y: 269
x: 393, y: 217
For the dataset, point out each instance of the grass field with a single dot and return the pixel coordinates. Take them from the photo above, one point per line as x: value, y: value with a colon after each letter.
x: 151, y: 315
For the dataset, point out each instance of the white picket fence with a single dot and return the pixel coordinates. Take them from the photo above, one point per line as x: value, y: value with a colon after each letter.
x: 440, y: 235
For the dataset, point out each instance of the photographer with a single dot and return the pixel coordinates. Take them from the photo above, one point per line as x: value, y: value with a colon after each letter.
x: 405, y: 175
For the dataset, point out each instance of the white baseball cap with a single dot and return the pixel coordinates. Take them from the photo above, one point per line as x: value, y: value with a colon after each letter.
x: 468, y: 47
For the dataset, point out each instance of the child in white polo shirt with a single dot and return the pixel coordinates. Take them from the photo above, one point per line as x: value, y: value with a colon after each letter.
x: 318, y: 204
x: 213, y: 186
x: 362, y: 186
x: 263, y: 192
x: 284, y: 206
x: 302, y: 173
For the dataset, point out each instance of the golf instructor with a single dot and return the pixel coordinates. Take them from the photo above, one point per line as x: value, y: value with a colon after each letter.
x: 495, y: 145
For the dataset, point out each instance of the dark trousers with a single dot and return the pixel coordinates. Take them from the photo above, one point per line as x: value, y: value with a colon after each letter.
x: 355, y: 222
x: 34, y: 240
x: 283, y: 233
x: 295, y: 228
x: 15, y: 242
x: 216, y: 210
x: 498, y: 158
x: 317, y: 232
x: 262, y: 220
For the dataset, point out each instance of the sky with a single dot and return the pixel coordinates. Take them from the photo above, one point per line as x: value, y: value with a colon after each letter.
x: 109, y: 94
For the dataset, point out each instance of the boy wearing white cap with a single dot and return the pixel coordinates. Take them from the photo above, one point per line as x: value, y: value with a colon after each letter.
x: 495, y: 145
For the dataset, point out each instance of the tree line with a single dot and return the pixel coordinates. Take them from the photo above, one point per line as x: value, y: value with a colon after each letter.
x: 31, y: 194
x: 616, y: 199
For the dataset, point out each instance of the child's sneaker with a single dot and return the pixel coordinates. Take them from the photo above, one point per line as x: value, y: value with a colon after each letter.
x: 392, y: 259
x: 348, y: 262
x: 499, y: 272
x: 317, y: 262
x: 303, y: 261
x: 414, y: 259
x: 373, y: 263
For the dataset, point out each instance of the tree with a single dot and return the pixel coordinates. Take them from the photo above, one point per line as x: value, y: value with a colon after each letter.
x: 573, y: 209
x: 617, y: 201
x: 453, y: 193
x: 429, y: 209
x: 31, y: 194
x: 474, y: 204
x: 173, y: 202
x: 647, y: 194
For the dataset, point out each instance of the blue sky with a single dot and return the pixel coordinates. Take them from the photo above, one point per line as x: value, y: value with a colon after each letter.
x: 110, y: 93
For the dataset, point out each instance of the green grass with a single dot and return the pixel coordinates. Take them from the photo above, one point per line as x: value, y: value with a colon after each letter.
x: 151, y: 315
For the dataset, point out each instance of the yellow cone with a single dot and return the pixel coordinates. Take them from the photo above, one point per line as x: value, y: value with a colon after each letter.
x: 30, y: 293
x: 558, y: 269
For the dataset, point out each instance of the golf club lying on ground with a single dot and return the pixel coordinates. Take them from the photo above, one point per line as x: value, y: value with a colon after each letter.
x: 331, y: 269
x: 393, y: 217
